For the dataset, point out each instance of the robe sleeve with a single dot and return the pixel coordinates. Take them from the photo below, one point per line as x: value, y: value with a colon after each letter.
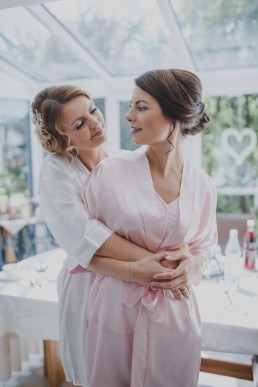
x: 206, y: 241
x: 97, y: 193
x: 63, y: 210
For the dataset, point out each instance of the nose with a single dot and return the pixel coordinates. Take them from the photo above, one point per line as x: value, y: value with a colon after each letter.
x: 94, y: 122
x: 129, y: 116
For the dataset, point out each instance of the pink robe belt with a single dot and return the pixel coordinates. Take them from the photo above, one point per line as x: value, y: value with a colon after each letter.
x: 152, y: 299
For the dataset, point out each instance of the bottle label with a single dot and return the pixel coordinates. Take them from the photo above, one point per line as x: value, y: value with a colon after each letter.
x: 250, y: 255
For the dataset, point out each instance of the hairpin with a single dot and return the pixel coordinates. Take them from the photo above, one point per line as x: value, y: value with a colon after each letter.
x: 38, y: 120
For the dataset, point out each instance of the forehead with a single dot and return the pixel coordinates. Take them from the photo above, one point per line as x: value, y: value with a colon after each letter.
x: 78, y: 106
x: 141, y: 95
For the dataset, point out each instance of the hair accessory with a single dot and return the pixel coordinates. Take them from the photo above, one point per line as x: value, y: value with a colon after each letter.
x: 38, y: 120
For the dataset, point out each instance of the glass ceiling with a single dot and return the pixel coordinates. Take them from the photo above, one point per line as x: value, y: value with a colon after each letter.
x: 125, y: 39
x: 74, y: 39
x: 223, y: 34
x: 35, y: 50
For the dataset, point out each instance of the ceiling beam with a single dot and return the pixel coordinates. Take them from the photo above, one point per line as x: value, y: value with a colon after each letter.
x: 16, y: 72
x: 229, y: 82
x: 49, y: 21
x: 20, y: 3
x: 185, y: 58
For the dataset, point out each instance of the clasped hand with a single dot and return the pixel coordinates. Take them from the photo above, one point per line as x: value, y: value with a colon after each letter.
x: 171, y: 270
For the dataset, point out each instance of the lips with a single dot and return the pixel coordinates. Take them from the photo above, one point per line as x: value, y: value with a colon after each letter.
x: 98, y: 133
x: 135, y: 130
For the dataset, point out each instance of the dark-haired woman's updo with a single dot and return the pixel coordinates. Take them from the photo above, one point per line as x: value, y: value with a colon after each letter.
x: 179, y: 94
x: 46, y: 110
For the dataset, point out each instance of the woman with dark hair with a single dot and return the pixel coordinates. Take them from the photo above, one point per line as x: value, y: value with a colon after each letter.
x: 72, y: 129
x: 139, y: 335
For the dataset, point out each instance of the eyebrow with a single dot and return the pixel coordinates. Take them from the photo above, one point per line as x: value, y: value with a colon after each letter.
x: 141, y: 100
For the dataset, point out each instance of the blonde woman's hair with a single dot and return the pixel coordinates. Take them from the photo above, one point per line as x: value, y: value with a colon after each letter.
x: 46, y: 109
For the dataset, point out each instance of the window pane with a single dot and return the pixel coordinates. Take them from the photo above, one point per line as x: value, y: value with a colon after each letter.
x: 100, y: 103
x: 15, y: 163
x: 35, y: 49
x: 125, y: 131
x: 221, y: 33
x: 126, y: 39
x: 230, y: 153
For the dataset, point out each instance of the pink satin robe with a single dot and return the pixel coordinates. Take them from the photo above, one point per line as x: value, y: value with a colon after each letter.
x: 138, y: 336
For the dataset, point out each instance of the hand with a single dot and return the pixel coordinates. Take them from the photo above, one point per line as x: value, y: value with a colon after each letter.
x: 172, y: 264
x: 188, y: 266
x: 142, y: 271
x: 181, y: 291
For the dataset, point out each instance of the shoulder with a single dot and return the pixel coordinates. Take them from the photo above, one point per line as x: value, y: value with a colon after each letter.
x: 203, y: 180
x: 115, y: 166
x: 119, y: 159
x: 55, y: 166
x: 54, y: 161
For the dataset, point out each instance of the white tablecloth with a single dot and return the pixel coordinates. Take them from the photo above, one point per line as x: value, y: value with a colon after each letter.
x: 13, y: 226
x: 29, y: 308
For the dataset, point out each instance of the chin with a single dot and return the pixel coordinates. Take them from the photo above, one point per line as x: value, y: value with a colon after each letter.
x: 135, y: 142
x: 100, y: 140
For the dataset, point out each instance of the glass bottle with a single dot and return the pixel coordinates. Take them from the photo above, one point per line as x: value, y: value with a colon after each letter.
x: 250, y: 246
x: 233, y: 254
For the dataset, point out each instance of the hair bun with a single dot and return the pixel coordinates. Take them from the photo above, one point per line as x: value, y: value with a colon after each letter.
x: 203, y: 123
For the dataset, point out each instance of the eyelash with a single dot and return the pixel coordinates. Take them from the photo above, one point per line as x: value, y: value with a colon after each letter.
x: 140, y: 108
x: 83, y: 122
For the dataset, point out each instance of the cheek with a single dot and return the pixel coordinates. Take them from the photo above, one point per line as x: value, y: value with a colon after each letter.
x: 79, y: 138
x: 100, y: 117
x: 155, y: 124
x: 149, y: 121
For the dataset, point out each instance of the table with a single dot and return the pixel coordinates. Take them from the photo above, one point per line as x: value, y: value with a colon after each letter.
x: 32, y: 312
x: 11, y: 227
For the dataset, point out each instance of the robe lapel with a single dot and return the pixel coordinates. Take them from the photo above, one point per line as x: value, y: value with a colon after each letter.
x: 147, y: 203
x: 186, y: 201
x: 180, y: 232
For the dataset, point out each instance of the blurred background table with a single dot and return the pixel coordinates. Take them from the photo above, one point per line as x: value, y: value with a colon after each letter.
x: 23, y: 237
x: 29, y: 309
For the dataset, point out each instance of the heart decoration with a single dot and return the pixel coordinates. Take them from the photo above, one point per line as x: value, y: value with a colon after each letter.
x: 239, y: 137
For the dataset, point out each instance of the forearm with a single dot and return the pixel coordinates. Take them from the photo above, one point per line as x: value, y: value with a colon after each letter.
x: 141, y: 271
x: 121, y: 249
x: 110, y: 267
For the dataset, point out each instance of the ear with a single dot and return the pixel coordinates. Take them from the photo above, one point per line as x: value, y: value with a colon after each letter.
x: 175, y: 125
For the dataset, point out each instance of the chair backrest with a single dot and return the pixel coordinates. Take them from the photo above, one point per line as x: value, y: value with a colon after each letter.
x: 226, y: 221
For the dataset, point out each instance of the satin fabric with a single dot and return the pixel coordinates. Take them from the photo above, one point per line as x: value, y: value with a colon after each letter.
x: 138, y: 336
x: 62, y: 209
x: 68, y: 220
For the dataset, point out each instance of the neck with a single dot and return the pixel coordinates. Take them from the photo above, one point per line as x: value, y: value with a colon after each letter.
x: 165, y: 161
x: 91, y: 158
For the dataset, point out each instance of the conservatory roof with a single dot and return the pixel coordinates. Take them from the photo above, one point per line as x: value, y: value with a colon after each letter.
x: 46, y: 41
